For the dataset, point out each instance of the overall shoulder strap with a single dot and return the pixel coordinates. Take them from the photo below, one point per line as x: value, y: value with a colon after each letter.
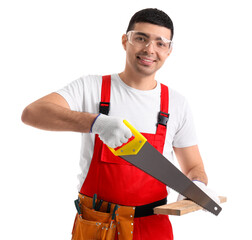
x: 164, y: 98
x: 163, y: 116
x: 105, y: 95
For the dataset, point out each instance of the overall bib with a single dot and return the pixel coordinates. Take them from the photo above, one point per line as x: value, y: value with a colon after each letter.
x: 117, y: 181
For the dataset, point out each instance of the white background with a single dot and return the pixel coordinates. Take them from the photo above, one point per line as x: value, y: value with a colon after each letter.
x: 44, y: 45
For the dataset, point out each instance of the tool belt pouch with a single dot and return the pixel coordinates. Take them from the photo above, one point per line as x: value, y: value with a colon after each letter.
x: 93, y: 225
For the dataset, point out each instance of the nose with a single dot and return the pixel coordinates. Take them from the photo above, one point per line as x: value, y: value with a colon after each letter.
x: 150, y: 47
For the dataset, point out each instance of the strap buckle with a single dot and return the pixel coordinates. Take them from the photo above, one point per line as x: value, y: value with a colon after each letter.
x: 104, y: 107
x: 163, y: 118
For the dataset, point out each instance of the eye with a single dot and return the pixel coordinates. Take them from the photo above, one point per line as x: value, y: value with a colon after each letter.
x: 140, y: 39
x: 161, y: 44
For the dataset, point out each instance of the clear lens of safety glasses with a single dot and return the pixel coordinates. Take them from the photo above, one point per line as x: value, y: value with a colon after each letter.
x: 143, y: 40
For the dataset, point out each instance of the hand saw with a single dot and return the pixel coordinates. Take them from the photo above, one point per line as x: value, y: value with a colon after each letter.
x: 144, y: 156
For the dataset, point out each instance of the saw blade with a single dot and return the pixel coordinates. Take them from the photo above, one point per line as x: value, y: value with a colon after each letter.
x: 155, y: 164
x: 144, y: 156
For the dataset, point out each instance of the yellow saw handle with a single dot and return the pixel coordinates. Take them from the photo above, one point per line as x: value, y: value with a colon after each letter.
x: 132, y: 147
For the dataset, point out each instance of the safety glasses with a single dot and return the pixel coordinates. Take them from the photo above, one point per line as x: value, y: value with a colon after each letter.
x: 143, y: 40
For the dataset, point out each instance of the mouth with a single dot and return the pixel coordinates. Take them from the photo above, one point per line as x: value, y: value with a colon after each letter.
x: 146, y: 60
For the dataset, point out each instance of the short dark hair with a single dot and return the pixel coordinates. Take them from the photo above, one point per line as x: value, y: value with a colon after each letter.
x: 154, y: 16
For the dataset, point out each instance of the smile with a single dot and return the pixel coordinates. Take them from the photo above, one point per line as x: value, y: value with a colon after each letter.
x: 146, y: 61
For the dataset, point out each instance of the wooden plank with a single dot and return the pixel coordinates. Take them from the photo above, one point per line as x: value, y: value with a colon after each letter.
x: 181, y: 207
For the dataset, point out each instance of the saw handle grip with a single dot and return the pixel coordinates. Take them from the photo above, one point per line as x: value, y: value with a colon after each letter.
x: 132, y: 147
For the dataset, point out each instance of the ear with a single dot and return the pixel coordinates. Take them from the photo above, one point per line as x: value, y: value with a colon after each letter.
x: 124, y: 41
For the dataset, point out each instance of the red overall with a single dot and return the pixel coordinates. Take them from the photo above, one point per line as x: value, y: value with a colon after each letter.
x: 115, y: 180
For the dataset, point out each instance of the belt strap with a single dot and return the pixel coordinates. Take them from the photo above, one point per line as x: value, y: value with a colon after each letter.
x: 147, y: 210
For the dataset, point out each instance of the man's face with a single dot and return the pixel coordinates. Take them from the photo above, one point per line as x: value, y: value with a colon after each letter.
x: 146, y: 60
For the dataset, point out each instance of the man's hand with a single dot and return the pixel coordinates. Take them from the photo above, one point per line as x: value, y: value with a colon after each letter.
x: 206, y: 190
x: 111, y: 130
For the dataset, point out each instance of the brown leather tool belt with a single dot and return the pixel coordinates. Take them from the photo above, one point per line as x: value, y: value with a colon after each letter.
x: 97, y: 219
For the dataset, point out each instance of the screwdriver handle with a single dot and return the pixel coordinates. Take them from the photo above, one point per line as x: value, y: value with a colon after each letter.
x: 76, y: 203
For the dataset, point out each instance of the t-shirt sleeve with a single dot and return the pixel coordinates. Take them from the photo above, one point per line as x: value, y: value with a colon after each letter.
x: 186, y: 133
x: 73, y: 94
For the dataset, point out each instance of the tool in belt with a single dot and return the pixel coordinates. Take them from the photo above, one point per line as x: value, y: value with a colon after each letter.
x: 144, y: 156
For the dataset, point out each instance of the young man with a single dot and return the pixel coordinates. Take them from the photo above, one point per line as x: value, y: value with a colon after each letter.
x: 96, y: 106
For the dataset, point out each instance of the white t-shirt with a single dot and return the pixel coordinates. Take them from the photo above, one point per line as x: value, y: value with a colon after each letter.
x: 140, y: 108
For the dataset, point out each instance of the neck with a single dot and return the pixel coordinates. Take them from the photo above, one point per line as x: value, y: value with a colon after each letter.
x: 138, y: 81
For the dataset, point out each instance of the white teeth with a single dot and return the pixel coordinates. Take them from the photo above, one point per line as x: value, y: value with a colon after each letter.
x: 146, y: 60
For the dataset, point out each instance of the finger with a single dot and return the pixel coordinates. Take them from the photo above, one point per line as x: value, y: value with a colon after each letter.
x: 124, y: 140
x: 110, y: 143
x: 127, y: 133
x: 180, y: 197
x: 118, y: 143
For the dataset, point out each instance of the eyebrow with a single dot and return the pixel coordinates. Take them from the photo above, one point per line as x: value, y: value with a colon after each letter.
x: 146, y: 35
x: 143, y: 34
